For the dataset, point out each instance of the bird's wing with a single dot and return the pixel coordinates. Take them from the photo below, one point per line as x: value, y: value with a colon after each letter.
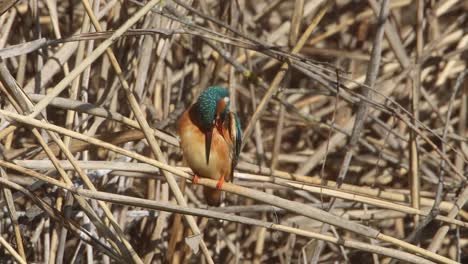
x: 235, y: 133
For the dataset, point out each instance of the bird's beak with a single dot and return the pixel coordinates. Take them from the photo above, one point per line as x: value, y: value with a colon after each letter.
x: 208, y: 137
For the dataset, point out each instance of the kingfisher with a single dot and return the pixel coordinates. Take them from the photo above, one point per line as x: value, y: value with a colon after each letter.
x: 210, y: 136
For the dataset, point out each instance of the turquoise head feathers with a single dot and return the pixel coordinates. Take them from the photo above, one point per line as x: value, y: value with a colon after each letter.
x: 207, y: 104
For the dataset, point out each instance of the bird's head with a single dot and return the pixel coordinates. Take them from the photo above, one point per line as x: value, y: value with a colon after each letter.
x: 212, y: 107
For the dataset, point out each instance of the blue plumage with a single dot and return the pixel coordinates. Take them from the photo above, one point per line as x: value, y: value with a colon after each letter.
x: 206, y: 105
x: 209, y: 128
x: 238, y: 137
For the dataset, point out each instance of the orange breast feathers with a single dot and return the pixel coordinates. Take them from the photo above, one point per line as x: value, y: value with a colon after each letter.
x: 193, y: 146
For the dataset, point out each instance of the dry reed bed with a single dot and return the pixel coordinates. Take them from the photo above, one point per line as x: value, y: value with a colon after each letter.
x: 354, y: 118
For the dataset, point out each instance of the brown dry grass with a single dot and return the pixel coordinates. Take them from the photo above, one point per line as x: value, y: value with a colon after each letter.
x: 355, y: 141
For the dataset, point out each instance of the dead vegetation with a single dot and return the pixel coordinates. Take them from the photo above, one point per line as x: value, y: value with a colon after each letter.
x: 354, y: 117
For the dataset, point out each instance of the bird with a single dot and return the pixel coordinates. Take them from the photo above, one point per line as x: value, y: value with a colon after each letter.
x: 210, y: 138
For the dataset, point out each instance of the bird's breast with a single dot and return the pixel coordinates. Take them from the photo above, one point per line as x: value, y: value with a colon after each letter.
x: 193, y: 147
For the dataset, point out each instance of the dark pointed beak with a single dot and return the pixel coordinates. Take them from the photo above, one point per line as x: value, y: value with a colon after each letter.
x: 208, y: 137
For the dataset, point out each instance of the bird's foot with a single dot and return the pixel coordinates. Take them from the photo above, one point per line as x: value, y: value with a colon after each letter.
x: 195, y: 179
x: 219, y: 185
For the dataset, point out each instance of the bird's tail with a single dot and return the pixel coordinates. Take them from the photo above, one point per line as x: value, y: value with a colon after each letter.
x: 212, y: 196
